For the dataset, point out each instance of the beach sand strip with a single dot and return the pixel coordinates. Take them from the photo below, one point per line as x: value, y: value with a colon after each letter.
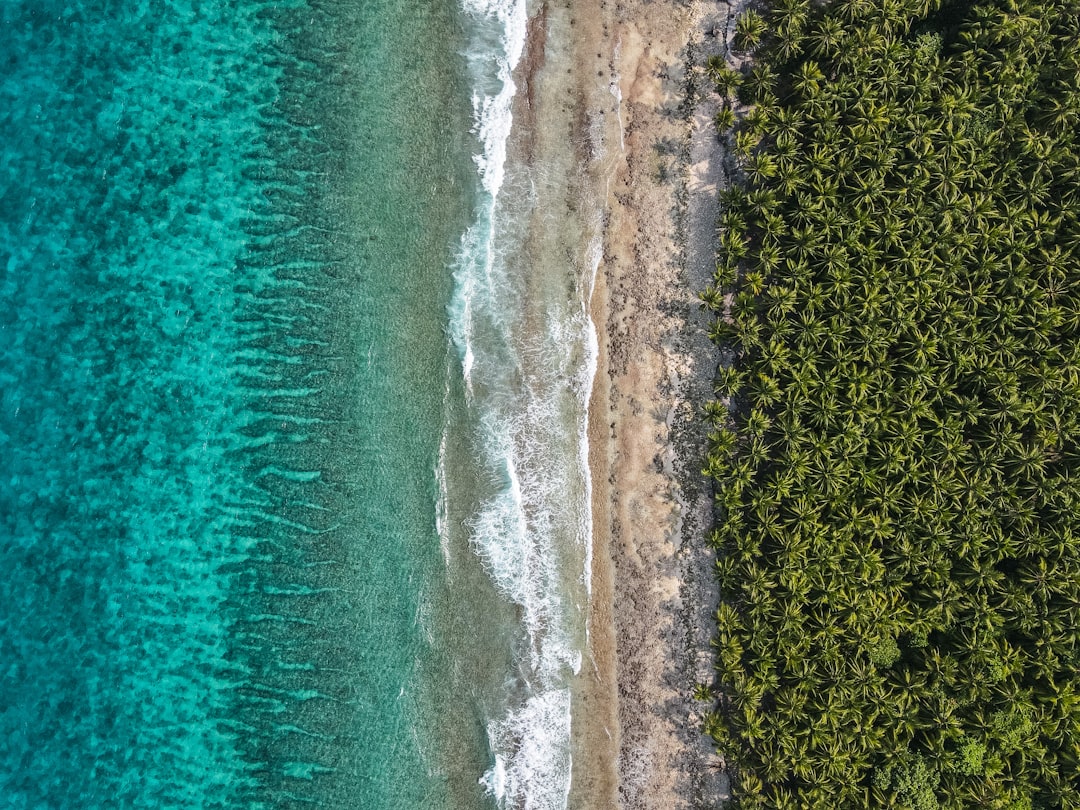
x: 653, y: 592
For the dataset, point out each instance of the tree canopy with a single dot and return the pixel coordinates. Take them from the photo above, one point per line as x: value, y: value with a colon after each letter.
x: 896, y: 431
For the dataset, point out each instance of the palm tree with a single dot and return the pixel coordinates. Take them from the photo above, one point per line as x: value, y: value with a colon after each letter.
x: 725, y: 119
x: 760, y: 167
x: 759, y: 86
x: 749, y: 30
x: 825, y: 40
x: 726, y: 80
x: 711, y: 299
x: 808, y: 79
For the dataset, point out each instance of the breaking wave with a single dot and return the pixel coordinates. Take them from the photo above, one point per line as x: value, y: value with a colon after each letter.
x: 527, y: 357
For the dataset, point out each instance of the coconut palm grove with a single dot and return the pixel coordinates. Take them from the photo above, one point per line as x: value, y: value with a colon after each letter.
x: 895, y: 444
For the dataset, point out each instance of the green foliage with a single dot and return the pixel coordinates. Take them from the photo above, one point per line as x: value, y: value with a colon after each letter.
x: 1011, y: 728
x: 896, y: 440
x: 915, y: 784
x: 919, y: 638
x: 928, y: 46
x: 884, y: 652
x: 972, y: 756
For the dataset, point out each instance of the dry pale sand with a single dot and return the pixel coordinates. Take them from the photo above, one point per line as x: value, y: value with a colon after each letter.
x: 649, y: 499
x: 640, y: 744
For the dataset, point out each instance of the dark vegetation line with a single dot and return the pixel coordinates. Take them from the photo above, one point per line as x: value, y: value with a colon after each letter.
x: 896, y: 429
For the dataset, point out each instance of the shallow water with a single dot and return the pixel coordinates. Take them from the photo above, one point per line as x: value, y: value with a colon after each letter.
x: 281, y: 524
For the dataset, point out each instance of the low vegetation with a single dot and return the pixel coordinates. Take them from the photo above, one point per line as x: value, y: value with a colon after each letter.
x: 896, y: 434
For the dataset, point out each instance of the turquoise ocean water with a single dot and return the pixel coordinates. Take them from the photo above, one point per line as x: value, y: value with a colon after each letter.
x: 253, y: 433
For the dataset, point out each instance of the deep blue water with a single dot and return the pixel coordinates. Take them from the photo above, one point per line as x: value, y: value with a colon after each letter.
x: 225, y: 230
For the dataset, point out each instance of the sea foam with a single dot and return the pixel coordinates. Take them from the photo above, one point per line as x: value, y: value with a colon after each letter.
x: 533, y: 759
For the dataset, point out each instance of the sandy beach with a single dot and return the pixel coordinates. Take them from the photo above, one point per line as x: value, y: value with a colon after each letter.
x: 649, y: 503
x: 638, y: 739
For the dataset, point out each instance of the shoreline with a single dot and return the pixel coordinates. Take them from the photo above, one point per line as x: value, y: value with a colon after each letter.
x: 614, y: 91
